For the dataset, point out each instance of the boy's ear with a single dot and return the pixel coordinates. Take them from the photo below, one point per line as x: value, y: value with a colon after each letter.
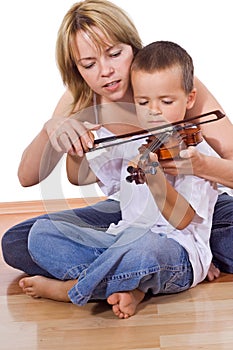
x: 191, y: 98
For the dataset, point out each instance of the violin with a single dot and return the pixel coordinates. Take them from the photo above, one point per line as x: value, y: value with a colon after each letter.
x: 166, y: 140
x: 167, y: 146
x: 179, y: 139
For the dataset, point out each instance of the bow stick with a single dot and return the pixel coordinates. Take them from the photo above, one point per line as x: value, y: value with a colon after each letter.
x: 219, y: 115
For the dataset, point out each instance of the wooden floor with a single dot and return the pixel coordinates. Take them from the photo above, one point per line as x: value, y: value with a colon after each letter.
x: 200, y: 318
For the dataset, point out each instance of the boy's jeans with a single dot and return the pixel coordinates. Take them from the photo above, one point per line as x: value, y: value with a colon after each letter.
x: 104, y: 264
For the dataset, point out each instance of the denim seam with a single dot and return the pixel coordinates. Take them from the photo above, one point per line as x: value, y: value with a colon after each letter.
x: 178, y: 268
x: 80, y: 299
x: 74, y: 272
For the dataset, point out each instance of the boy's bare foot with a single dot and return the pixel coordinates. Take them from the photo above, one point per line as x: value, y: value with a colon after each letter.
x: 43, y: 287
x: 124, y: 304
x: 213, y: 273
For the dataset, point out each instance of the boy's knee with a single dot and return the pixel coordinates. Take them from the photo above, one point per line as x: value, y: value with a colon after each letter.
x: 41, y: 236
x: 36, y: 238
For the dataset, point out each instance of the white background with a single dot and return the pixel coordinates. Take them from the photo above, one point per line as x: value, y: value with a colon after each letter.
x: 31, y: 83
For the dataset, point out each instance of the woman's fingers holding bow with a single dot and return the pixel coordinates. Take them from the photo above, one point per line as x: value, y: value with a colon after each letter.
x: 69, y: 135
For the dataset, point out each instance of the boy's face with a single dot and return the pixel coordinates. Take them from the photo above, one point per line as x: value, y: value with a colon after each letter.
x: 159, y: 97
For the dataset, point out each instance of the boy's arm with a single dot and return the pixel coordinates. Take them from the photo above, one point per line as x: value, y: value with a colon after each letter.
x: 79, y: 171
x: 173, y: 206
x: 104, y: 168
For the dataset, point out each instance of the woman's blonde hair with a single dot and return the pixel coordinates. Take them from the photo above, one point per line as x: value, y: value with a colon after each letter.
x: 111, y: 20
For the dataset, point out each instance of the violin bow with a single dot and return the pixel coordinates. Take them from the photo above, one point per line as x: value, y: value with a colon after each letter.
x: 144, y: 133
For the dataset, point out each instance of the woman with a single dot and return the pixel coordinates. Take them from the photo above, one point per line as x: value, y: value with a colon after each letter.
x: 67, y: 133
x: 159, y: 216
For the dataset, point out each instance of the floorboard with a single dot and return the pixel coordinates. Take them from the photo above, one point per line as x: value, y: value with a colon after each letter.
x: 200, y: 318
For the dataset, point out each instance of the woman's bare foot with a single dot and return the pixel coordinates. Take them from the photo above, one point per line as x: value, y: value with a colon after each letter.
x: 213, y: 273
x: 43, y: 287
x: 124, y: 304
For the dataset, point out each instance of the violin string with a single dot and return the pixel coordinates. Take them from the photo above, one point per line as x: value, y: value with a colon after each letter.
x: 155, y: 144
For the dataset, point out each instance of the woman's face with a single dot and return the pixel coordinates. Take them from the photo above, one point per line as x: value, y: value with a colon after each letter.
x: 106, y: 69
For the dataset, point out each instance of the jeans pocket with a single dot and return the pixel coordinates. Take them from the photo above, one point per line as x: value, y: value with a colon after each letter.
x: 179, y: 281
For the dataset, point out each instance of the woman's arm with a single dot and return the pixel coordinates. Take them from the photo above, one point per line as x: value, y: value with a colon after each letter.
x: 38, y: 160
x: 218, y: 135
x: 60, y: 134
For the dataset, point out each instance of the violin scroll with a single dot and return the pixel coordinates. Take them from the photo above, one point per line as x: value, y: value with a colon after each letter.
x: 167, y: 146
x: 138, y: 175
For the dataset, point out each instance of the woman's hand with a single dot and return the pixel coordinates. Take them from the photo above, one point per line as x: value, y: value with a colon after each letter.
x: 191, y: 162
x: 69, y: 135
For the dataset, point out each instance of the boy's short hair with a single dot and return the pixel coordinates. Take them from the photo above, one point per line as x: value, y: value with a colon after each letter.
x: 161, y: 55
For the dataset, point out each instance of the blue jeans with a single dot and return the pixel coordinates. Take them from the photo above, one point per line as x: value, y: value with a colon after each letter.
x: 104, y: 263
x: 221, y: 241
x: 100, y: 215
x: 15, y: 240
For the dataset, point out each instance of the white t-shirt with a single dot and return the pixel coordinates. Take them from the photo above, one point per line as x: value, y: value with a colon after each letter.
x: 139, y: 208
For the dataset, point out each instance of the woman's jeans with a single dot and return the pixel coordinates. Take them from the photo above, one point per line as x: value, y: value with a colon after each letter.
x: 99, y: 216
x: 105, y: 264
x: 221, y: 240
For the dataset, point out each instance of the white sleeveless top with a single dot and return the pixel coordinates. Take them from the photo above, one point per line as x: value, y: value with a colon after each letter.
x: 101, y: 133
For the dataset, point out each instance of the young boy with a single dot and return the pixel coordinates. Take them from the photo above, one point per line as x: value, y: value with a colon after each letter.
x: 162, y: 242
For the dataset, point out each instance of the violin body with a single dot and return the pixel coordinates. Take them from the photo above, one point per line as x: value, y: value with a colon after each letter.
x: 168, y: 150
x: 179, y: 139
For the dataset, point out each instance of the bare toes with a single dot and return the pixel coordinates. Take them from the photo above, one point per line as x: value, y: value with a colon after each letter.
x: 116, y: 310
x: 113, y: 299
